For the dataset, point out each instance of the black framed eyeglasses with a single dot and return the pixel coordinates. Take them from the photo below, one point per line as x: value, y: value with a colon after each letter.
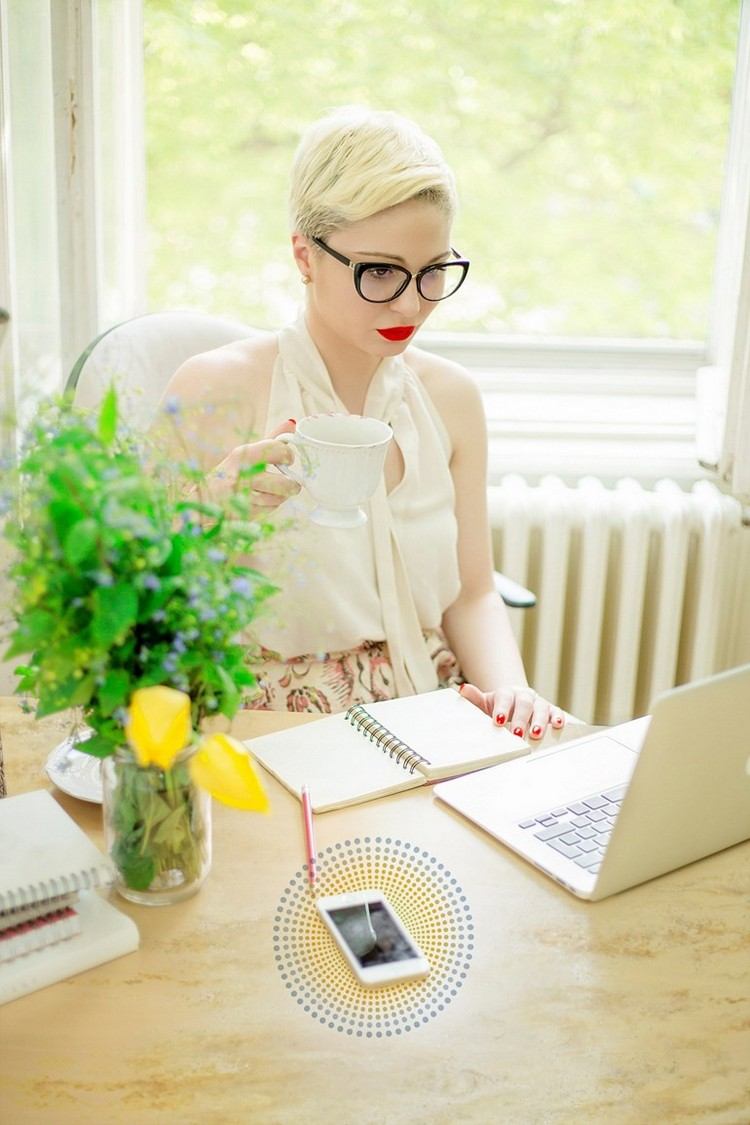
x: 380, y: 282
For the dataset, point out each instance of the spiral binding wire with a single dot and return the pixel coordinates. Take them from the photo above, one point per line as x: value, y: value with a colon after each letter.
x: 49, y: 889
x: 361, y: 719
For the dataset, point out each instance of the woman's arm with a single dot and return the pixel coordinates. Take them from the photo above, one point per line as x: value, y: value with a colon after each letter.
x: 477, y: 624
x: 208, y: 418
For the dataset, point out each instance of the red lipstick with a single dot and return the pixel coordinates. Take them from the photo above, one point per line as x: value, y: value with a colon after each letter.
x: 396, y: 334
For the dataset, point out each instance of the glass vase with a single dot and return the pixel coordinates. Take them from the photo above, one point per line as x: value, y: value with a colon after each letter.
x: 157, y: 827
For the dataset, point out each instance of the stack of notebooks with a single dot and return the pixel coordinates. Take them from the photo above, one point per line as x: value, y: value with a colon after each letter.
x: 53, y: 922
x: 377, y: 749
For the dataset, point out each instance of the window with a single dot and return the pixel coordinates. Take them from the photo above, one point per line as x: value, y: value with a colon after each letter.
x: 724, y: 387
x: 30, y: 283
x: 588, y: 142
x: 71, y: 220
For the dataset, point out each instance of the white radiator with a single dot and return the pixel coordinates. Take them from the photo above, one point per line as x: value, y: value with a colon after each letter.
x: 632, y: 586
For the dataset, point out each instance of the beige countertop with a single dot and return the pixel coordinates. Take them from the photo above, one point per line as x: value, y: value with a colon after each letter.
x: 634, y: 1010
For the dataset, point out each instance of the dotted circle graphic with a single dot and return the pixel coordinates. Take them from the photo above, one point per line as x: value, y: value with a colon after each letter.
x: 429, y: 902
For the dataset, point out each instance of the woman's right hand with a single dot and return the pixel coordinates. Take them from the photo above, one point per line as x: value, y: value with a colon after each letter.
x: 267, y: 490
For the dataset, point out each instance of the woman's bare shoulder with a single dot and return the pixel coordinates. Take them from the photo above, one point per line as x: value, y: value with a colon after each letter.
x: 221, y: 396
x: 449, y: 385
x: 220, y: 374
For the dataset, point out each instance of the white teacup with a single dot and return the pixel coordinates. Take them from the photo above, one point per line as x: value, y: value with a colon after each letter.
x: 341, y: 458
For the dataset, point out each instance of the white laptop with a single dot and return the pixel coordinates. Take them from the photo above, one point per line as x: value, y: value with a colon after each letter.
x: 610, y: 810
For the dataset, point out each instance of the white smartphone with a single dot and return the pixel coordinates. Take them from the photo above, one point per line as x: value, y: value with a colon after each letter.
x: 371, y: 937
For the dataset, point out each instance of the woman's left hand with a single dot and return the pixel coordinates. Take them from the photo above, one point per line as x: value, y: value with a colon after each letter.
x: 519, y: 709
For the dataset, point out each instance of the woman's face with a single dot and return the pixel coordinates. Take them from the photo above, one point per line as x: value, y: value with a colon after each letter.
x: 414, y: 234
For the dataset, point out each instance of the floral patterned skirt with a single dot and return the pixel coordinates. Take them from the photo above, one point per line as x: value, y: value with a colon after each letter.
x: 334, y: 681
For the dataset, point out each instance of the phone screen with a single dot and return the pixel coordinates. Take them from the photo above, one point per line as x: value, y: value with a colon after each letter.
x: 372, y: 934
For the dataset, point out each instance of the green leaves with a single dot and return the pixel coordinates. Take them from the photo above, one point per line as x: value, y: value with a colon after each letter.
x: 63, y: 515
x: 35, y: 627
x: 118, y: 583
x: 99, y: 746
x: 115, y: 610
x: 108, y: 418
x: 114, y: 691
x: 156, y: 827
x: 80, y: 541
x: 137, y: 870
x: 230, y: 696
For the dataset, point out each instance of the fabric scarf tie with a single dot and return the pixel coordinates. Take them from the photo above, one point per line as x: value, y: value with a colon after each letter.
x: 386, y: 399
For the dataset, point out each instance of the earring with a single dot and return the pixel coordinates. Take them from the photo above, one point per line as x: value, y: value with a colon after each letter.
x: 305, y: 279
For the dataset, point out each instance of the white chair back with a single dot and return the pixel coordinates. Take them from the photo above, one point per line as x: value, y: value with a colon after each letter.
x: 141, y: 355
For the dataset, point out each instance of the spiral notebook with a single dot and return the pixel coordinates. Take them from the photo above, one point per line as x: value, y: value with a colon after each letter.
x: 376, y: 749
x: 53, y: 923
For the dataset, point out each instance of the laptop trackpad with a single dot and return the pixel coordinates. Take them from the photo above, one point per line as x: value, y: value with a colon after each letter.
x: 531, y: 785
x: 599, y: 763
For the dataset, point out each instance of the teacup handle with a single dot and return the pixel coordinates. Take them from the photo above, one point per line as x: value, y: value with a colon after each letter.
x: 287, y: 470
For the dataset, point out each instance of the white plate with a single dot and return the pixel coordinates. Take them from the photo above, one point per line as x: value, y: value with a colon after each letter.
x: 78, y: 774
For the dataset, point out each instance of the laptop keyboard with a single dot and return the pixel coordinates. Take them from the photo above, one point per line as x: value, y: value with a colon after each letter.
x: 580, y: 831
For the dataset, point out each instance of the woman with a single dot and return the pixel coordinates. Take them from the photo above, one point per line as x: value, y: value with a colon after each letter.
x: 408, y: 601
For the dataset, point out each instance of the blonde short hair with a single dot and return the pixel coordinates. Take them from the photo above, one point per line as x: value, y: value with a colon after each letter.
x: 355, y: 162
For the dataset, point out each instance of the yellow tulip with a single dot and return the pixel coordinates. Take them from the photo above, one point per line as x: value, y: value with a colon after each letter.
x: 158, y: 725
x: 222, y: 766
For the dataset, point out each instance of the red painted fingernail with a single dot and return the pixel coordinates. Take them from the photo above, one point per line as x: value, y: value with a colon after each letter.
x: 292, y: 420
x: 518, y: 731
x: 499, y: 719
x: 536, y: 731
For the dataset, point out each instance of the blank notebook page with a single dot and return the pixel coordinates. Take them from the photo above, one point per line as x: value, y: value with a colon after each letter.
x: 447, y: 730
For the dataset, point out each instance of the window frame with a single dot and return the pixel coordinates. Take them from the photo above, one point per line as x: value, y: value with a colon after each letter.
x: 88, y: 35
x: 574, y: 407
x: 7, y: 341
x: 723, y: 391
x: 553, y: 405
x: 83, y: 37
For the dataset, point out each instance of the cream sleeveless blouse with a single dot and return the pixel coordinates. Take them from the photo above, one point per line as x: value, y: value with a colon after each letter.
x: 385, y: 581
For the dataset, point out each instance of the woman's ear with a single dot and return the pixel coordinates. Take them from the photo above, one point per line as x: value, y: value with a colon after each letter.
x: 302, y: 252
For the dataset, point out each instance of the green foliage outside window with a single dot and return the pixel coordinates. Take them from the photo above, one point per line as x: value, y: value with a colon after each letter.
x: 588, y: 138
